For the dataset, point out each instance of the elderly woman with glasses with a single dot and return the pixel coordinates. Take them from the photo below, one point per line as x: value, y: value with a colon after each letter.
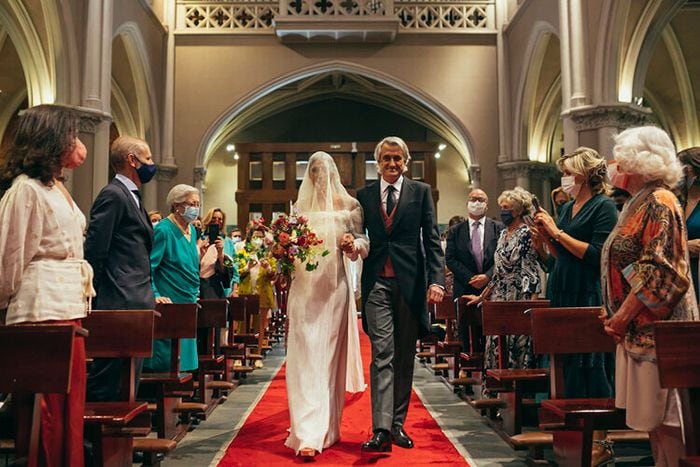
x: 175, y: 270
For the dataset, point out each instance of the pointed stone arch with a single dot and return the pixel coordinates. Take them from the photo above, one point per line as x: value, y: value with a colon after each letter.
x: 531, y: 120
x: 436, y: 117
x: 144, y: 120
x: 38, y: 69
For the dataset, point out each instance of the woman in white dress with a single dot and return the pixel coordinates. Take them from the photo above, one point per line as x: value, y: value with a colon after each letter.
x: 323, y: 348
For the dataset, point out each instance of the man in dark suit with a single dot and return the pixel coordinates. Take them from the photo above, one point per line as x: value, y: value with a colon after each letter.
x: 118, y: 247
x: 470, y: 251
x: 399, y: 216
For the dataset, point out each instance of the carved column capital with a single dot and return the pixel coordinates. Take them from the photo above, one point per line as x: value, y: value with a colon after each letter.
x: 198, y: 174
x: 166, y: 172
x: 90, y: 119
x: 618, y: 116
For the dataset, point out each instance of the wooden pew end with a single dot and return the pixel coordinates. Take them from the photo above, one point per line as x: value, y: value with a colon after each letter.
x: 154, y: 449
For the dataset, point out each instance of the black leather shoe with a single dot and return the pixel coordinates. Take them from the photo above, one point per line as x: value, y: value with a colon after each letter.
x: 400, y: 438
x: 379, y: 442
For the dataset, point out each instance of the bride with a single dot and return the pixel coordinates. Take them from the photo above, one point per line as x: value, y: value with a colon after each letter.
x: 323, y: 348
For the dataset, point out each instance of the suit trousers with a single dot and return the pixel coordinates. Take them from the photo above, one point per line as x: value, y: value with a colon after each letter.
x: 393, y: 331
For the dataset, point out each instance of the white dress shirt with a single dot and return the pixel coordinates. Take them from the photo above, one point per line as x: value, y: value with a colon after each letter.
x: 383, y: 184
x: 131, y: 186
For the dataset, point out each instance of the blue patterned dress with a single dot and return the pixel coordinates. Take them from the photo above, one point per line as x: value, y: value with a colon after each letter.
x: 516, y: 276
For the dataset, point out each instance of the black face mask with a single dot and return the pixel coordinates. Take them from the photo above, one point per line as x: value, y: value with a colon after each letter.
x: 198, y: 232
x: 619, y: 207
x: 146, y: 172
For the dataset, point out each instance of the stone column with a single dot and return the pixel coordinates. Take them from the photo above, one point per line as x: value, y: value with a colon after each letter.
x: 88, y: 180
x: 475, y: 176
x: 532, y: 176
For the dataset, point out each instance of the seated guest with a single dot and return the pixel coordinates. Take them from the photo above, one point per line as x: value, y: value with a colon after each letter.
x: 516, y: 275
x: 41, y: 249
x: 646, y: 277
x: 118, y: 246
x: 449, y: 277
x: 175, y: 270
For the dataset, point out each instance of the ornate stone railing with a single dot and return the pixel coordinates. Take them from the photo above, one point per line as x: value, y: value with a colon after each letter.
x: 414, y: 16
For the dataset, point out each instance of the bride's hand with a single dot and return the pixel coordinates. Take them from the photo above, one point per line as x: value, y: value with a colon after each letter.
x: 347, y: 243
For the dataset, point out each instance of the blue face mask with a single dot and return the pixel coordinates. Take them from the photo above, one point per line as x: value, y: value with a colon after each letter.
x: 146, y: 172
x: 191, y: 213
x: 506, y: 217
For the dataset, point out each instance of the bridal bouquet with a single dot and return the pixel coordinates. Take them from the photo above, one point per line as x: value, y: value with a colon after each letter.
x: 293, y: 239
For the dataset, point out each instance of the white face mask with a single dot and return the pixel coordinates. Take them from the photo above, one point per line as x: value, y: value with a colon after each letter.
x: 257, y: 242
x: 236, y: 238
x: 154, y: 223
x: 476, y: 208
x: 569, y: 185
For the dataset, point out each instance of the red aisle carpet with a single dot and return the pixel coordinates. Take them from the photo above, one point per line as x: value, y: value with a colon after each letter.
x: 261, y: 439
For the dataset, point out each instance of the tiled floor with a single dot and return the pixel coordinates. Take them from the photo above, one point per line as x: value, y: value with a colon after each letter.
x: 474, y: 439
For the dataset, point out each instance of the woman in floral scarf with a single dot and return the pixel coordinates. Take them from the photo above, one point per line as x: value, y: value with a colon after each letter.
x: 646, y: 277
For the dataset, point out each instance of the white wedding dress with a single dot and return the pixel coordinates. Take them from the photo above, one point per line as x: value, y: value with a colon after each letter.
x: 323, y: 350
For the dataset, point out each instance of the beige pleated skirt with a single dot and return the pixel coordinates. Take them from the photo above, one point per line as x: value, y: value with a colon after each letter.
x: 637, y: 389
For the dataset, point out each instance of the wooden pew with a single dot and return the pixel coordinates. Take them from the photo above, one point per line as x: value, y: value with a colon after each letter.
x: 111, y: 426
x: 503, y: 319
x: 234, y: 350
x: 678, y: 357
x: 561, y: 331
x: 212, y: 316
x: 255, y: 338
x: 35, y: 359
x: 177, y: 321
x: 450, y: 348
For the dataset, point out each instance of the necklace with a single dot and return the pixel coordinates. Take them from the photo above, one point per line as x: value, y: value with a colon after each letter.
x: 185, y: 231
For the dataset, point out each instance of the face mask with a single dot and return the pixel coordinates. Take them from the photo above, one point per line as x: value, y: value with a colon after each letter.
x: 257, y: 242
x: 620, y: 180
x: 569, y: 185
x: 236, y: 238
x: 191, y: 213
x: 146, y: 172
x: 198, y: 232
x: 76, y: 157
x: 476, y: 208
x: 507, y: 217
x: 154, y: 223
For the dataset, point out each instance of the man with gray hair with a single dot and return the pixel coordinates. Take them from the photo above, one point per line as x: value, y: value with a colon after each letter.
x: 399, y: 216
x: 118, y: 247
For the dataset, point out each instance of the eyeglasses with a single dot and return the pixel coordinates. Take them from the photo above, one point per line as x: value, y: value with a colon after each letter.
x: 476, y: 198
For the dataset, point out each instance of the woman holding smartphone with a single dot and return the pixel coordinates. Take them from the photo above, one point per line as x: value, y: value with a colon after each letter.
x: 215, y: 274
x: 574, y: 246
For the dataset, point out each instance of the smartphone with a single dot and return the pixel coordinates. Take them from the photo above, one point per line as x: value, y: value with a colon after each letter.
x: 213, y: 233
x: 535, y: 204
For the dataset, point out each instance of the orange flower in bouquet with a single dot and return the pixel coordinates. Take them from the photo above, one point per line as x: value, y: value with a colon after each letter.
x: 294, y: 240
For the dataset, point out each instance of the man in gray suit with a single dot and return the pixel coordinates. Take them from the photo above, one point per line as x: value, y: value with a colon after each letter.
x: 399, y: 216
x: 118, y: 247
